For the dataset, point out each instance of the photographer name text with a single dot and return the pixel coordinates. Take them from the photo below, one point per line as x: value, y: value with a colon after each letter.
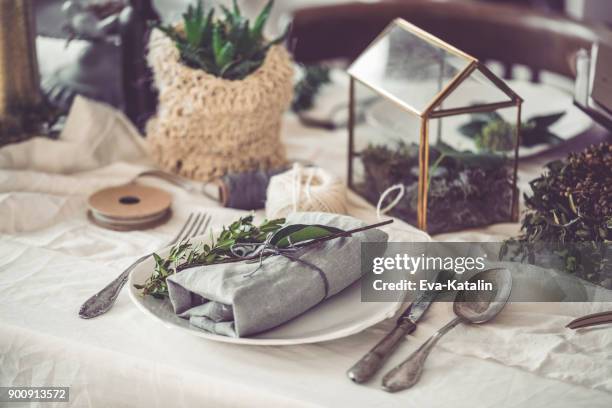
x: 425, y: 285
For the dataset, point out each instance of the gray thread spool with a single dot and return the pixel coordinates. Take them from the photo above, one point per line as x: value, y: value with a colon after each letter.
x: 246, y: 191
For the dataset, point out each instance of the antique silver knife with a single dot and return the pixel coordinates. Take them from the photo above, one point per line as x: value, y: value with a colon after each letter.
x: 365, y: 368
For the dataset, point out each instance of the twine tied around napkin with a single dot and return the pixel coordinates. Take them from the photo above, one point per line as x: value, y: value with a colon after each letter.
x: 265, y: 249
x: 255, y: 252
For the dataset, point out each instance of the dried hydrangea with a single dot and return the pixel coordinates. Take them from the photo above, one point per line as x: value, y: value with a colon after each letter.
x: 570, y: 212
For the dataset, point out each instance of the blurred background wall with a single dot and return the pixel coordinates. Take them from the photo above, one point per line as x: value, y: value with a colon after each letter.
x: 592, y: 10
x: 80, y: 66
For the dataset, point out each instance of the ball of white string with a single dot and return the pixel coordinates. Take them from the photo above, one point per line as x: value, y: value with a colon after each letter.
x: 305, y: 189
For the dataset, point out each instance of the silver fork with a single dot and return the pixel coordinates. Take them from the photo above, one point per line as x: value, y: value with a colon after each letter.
x: 101, y: 302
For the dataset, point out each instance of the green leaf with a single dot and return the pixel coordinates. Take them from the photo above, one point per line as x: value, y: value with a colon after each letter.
x: 236, y: 8
x: 469, y: 159
x: 217, y: 45
x: 158, y: 259
x: 219, y: 48
x: 545, y: 121
x: 260, y: 21
x: 296, y: 233
x: 536, y: 136
x: 271, y: 225
x: 241, y: 37
x: 193, y: 22
x: 229, y: 16
x: 240, y: 68
x: 472, y: 128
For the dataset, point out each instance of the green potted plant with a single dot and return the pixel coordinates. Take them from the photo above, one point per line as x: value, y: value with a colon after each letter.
x: 223, y: 88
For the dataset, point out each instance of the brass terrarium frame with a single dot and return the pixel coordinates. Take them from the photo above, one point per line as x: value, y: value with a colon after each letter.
x: 430, y: 112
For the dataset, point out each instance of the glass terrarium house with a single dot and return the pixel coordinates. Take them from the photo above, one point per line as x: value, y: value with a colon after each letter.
x: 414, y: 104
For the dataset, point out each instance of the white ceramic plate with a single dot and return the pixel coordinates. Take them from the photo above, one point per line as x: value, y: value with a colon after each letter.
x: 540, y: 99
x: 339, y: 316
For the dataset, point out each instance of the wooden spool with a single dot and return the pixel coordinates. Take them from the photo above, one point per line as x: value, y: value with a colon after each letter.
x: 129, y: 207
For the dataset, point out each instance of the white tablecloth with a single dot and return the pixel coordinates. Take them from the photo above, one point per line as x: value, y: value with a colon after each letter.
x: 52, y: 259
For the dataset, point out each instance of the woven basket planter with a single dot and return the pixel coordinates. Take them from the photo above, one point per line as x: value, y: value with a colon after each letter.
x: 206, y: 126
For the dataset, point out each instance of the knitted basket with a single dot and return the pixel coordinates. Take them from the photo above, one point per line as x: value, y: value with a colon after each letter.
x: 207, y: 126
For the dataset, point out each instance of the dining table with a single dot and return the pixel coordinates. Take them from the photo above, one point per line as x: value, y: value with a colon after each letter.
x: 52, y: 258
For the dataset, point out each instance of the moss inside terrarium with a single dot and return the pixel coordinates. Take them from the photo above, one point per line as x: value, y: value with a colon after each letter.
x: 466, y: 189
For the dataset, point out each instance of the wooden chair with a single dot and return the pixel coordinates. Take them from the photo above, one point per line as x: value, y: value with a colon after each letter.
x: 505, y: 33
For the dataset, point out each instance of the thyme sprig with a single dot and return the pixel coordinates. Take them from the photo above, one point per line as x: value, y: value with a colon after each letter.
x: 216, y: 251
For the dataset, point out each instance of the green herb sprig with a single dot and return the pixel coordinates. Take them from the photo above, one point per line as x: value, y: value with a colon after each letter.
x: 227, y: 47
x: 238, y: 237
x: 185, y: 253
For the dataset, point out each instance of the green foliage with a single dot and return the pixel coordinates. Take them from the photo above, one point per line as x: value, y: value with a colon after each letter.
x: 570, y: 215
x: 492, y: 133
x: 238, y: 237
x: 465, y: 189
x: 226, y: 47
x: 315, y: 76
x: 185, y: 253
x: 300, y: 233
x: 496, y: 136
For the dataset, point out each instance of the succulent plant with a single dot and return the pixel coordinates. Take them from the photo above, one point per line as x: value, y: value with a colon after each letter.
x: 496, y: 136
x: 465, y: 189
x: 492, y: 133
x: 227, y: 47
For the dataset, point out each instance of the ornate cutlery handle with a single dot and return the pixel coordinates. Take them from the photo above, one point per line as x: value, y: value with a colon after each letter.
x: 365, y: 368
x: 409, y: 372
x: 102, y: 301
x: 591, y: 320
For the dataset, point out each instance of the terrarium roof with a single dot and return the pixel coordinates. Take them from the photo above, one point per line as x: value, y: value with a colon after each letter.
x: 428, y: 77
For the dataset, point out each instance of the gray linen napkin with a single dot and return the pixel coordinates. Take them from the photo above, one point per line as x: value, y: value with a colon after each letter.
x: 221, y: 300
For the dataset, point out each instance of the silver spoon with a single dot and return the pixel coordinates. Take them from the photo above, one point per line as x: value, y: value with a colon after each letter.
x: 470, y: 307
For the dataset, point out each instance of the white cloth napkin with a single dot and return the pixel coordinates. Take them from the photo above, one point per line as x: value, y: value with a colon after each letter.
x: 533, y: 337
x: 94, y: 135
x: 45, y: 182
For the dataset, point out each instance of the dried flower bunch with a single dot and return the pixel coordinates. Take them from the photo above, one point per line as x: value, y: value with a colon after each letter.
x: 570, y: 213
x: 227, y: 47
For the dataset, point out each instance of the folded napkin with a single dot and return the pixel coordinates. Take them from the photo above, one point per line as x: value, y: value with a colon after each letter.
x: 231, y: 300
x: 94, y: 135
